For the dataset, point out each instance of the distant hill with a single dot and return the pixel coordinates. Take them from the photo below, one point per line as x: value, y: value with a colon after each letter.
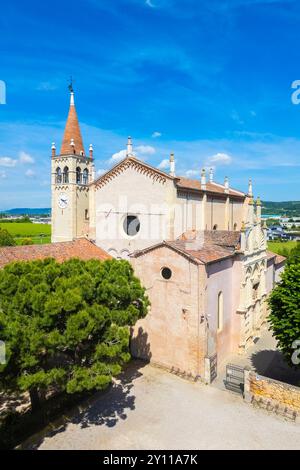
x: 289, y: 208
x: 27, y: 211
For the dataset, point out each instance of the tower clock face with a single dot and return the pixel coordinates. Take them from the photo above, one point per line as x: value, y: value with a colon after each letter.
x: 63, y: 201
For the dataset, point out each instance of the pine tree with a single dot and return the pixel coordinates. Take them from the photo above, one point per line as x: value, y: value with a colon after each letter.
x: 66, y: 326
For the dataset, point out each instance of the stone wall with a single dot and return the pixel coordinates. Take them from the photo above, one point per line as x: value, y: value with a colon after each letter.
x: 274, y: 396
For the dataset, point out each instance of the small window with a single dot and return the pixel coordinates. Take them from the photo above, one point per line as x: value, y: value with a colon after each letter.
x: 86, y: 214
x: 255, y: 291
x: 131, y: 225
x: 166, y: 273
x: 78, y: 175
x: 85, y: 176
x: 220, y: 311
x: 58, y: 177
x: 215, y: 227
x: 235, y: 227
x: 66, y: 175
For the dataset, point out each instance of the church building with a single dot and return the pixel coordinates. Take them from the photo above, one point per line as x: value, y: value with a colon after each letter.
x: 197, y: 245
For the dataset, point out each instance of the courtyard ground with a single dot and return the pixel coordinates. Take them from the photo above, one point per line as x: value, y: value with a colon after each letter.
x: 264, y: 358
x: 153, y: 409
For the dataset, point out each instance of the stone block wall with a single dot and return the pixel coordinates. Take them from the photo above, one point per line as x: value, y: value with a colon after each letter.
x: 274, y: 396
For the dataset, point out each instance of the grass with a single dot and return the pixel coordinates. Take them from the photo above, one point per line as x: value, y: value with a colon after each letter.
x: 39, y: 233
x: 282, y: 248
x: 35, y: 240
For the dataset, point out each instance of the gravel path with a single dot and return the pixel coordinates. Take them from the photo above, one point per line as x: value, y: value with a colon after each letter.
x: 152, y: 409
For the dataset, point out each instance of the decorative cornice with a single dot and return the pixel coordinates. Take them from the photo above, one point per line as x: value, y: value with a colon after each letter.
x: 137, y: 165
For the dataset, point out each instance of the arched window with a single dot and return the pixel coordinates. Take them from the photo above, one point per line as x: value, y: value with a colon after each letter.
x: 66, y: 175
x: 58, y: 175
x: 85, y: 176
x: 215, y: 227
x: 220, y: 311
x: 235, y: 227
x: 78, y: 175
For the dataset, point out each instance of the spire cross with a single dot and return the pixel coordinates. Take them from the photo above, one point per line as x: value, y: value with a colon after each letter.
x: 70, y: 86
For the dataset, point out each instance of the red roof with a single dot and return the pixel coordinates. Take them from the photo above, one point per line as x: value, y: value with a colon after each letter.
x: 63, y: 251
x: 72, y: 131
x: 203, y: 247
x: 186, y: 183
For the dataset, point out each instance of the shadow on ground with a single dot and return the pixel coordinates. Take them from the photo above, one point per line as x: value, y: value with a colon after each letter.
x: 271, y: 363
x: 103, y: 409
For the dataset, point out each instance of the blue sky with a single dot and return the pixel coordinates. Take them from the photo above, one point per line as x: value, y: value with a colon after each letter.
x: 209, y: 80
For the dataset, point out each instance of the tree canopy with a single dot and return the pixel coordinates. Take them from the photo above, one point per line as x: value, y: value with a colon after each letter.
x: 67, y: 325
x: 6, y: 238
x: 284, y: 303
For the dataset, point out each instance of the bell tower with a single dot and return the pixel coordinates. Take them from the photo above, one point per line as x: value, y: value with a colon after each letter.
x: 71, y: 173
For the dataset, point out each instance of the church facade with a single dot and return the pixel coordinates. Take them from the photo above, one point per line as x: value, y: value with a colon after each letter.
x: 198, y: 246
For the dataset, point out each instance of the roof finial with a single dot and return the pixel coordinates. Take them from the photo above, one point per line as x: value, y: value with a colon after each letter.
x: 250, y: 190
x: 129, y: 147
x: 53, y: 149
x: 91, y: 150
x: 203, y: 179
x: 226, y: 184
x: 172, y: 164
x: 71, y: 89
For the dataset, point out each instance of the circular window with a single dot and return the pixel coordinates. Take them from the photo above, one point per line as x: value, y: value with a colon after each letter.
x: 166, y: 273
x: 131, y: 225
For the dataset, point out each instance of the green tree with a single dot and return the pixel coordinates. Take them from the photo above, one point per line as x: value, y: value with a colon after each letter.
x: 6, y: 238
x: 284, y: 303
x: 66, y: 326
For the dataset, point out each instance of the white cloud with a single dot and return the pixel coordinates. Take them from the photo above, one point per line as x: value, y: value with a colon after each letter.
x: 3, y: 175
x: 164, y: 164
x: 236, y: 117
x: 30, y: 174
x: 219, y: 159
x: 100, y: 172
x: 7, y: 162
x: 149, y: 3
x: 46, y: 86
x: 144, y: 150
x: 25, y: 158
x: 140, y: 151
x: 117, y: 157
x: 192, y: 173
x: 156, y: 134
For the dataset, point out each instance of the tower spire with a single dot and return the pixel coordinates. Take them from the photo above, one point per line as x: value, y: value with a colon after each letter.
x: 72, y: 140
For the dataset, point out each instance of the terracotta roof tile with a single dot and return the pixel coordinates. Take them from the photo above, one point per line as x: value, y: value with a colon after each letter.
x: 203, y: 247
x: 216, y: 237
x: 72, y: 131
x: 187, y: 183
x: 207, y: 253
x: 80, y: 248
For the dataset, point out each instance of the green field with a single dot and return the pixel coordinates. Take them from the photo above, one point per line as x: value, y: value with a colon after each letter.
x: 39, y: 233
x: 282, y: 248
